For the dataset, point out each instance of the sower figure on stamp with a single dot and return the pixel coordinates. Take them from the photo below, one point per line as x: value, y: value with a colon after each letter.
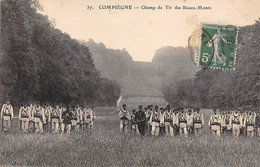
x: 198, y: 122
x: 124, y: 118
x: 215, y: 123
x: 141, y: 120
x: 7, y: 114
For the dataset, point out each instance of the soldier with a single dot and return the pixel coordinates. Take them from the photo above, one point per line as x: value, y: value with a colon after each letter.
x: 168, y: 121
x: 155, y: 122
x: 133, y: 121
x: 257, y: 124
x: 66, y: 121
x: 148, y: 115
x: 124, y: 118
x: 47, y: 115
x: 228, y: 126
x: 55, y: 119
x: 31, y: 109
x: 175, y: 122
x: 236, y: 122
x: 75, y: 119
x: 24, y: 117
x: 141, y: 120
x: 249, y: 124
x: 93, y: 118
x: 162, y: 121
x: 80, y: 111
x: 223, y: 121
x: 198, y: 121
x: 38, y: 117
x: 215, y: 123
x: 183, y: 123
x: 7, y: 114
x: 189, y: 122
x: 87, y: 118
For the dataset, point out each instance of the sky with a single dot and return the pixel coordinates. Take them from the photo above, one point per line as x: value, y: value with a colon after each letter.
x: 141, y: 32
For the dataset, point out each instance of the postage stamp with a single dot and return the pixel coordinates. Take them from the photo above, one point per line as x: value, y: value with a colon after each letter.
x: 218, y: 45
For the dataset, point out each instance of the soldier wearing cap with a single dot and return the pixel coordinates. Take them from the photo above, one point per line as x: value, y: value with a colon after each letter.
x: 155, y: 121
x: 249, y: 124
x: 47, y: 115
x: 198, y: 121
x: 7, y: 114
x: 134, y: 126
x: 66, y: 121
x: 236, y: 122
x: 168, y: 121
x: 124, y: 118
x: 24, y: 117
x: 38, y: 117
x: 190, y: 121
x: 215, y: 123
x: 56, y: 118
x: 148, y: 114
x: 175, y: 122
x: 183, y: 122
x: 141, y: 120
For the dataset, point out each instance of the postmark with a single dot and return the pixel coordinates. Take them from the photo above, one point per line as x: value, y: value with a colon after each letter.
x: 218, y: 45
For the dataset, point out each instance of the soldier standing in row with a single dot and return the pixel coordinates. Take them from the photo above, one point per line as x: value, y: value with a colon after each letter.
x: 236, y: 122
x: 141, y: 120
x: 215, y: 123
x: 183, y: 123
x: 155, y: 122
x: 189, y: 122
x: 7, y: 114
x: 38, y: 117
x: 55, y: 119
x: 198, y: 122
x: 66, y: 121
x: 175, y: 122
x: 168, y: 121
x: 47, y: 115
x: 24, y: 117
x: 257, y: 124
x: 249, y: 124
x: 124, y: 118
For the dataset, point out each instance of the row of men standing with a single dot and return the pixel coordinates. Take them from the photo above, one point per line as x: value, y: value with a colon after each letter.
x: 163, y: 121
x: 235, y: 122
x: 47, y: 118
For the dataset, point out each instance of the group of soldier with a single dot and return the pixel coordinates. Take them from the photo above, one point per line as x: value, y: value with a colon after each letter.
x: 187, y: 121
x: 237, y: 122
x: 49, y: 118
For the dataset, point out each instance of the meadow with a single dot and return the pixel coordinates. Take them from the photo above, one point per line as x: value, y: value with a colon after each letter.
x: 105, y: 146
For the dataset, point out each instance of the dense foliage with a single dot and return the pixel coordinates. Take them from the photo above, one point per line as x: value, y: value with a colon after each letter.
x: 40, y: 63
x: 220, y: 88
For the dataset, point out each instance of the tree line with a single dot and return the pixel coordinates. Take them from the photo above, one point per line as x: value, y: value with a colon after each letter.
x: 41, y: 63
x: 221, y: 88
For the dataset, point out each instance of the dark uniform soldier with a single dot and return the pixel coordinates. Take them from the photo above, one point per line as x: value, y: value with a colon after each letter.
x: 66, y: 123
x: 141, y: 120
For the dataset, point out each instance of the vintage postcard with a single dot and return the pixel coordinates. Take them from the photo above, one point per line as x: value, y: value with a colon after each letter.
x: 130, y: 83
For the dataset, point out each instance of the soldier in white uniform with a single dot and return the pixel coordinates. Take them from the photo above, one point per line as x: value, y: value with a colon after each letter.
x: 183, y: 123
x: 38, y: 117
x: 47, y: 115
x: 24, y: 117
x: 75, y: 119
x: 124, y: 118
x: 189, y: 122
x: 7, y: 114
x: 236, y: 122
x: 249, y: 124
x: 215, y: 123
x: 162, y: 121
x: 168, y: 121
x: 155, y: 122
x: 198, y: 119
x: 55, y: 119
x: 175, y: 122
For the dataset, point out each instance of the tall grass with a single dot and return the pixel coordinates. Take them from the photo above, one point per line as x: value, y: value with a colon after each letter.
x: 104, y: 146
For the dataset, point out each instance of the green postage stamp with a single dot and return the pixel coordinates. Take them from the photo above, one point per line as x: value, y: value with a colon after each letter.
x: 218, y: 46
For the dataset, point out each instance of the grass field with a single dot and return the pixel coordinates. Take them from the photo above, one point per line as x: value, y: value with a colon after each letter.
x: 104, y: 146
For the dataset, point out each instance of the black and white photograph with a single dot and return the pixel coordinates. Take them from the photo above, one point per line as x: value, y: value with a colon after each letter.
x: 130, y: 83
